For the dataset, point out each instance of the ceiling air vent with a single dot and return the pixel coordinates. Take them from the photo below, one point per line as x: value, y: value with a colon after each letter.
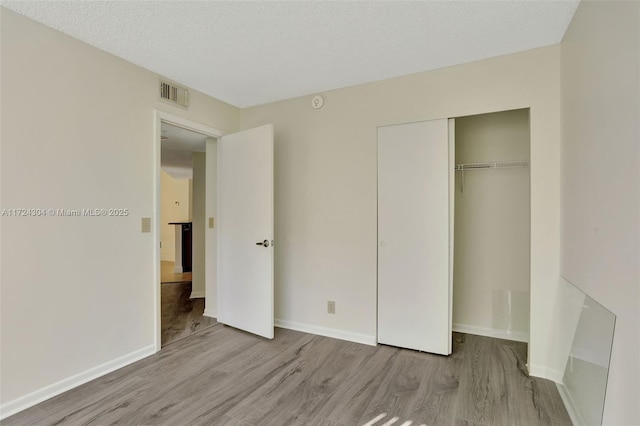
x: 174, y: 94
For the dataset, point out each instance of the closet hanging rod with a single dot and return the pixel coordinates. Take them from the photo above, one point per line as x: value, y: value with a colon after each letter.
x: 483, y: 166
x: 492, y: 165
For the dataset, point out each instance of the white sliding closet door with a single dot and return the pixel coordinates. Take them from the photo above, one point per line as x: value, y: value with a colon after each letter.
x: 415, y: 167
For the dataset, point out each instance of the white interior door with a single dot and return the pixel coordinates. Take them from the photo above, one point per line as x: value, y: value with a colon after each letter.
x: 245, y: 218
x: 414, y: 279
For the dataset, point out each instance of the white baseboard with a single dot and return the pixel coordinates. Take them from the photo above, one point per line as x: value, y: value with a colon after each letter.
x: 546, y: 373
x: 197, y: 295
x: 327, y: 332
x: 492, y: 332
x: 12, y: 407
x: 574, y: 414
x: 210, y: 313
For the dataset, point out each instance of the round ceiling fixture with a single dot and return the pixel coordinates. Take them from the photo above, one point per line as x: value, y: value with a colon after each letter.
x: 317, y: 102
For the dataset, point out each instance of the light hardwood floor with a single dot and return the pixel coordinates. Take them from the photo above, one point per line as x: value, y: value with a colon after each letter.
x: 222, y: 376
x: 168, y: 276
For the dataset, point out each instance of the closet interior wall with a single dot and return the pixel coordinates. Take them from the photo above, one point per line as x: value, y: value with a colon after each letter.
x: 491, y: 280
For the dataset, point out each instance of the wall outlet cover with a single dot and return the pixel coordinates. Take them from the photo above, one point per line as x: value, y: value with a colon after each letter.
x: 145, y: 225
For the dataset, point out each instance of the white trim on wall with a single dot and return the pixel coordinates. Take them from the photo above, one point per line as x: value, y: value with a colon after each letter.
x: 546, y: 373
x: 211, y: 313
x: 159, y: 118
x: 29, y: 400
x: 327, y: 332
x: 574, y: 413
x: 492, y: 332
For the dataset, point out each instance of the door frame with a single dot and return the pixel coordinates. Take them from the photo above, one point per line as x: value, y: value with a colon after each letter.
x: 159, y: 118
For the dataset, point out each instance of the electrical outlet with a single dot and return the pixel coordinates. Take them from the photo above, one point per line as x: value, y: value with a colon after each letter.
x: 331, y: 307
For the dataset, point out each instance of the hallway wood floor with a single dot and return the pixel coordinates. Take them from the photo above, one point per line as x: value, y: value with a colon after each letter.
x: 222, y: 376
x: 181, y: 316
x: 168, y: 276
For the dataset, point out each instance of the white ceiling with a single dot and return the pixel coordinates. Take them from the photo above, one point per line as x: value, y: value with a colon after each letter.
x: 253, y: 52
x: 176, y: 150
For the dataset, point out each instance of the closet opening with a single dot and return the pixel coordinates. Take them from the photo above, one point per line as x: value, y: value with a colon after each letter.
x: 492, y: 225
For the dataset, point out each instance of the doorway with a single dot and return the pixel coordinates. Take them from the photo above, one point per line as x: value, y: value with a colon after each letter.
x: 182, y: 234
x: 492, y: 243
x: 238, y: 209
x: 181, y: 144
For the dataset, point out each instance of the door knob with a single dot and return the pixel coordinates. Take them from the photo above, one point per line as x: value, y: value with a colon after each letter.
x: 264, y: 243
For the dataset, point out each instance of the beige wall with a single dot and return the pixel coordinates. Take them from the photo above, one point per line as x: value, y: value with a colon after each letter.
x: 601, y: 181
x: 198, y: 197
x: 492, y: 227
x: 325, y: 189
x: 172, y: 191
x: 77, y: 293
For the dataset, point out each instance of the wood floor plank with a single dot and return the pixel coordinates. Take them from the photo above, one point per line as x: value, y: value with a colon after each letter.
x: 524, y: 396
x: 436, y: 401
x: 553, y: 402
x: 224, y: 421
x: 88, y: 394
x: 171, y: 402
x: 181, y: 316
x: 349, y: 403
x: 200, y: 383
x: 481, y: 393
x: 306, y: 421
x: 206, y: 348
x: 305, y: 387
x: 33, y: 416
x: 404, y: 387
x: 264, y: 349
x: 462, y: 422
x: 561, y: 421
x: 223, y: 376
x: 84, y: 408
x: 219, y: 400
x: 495, y: 387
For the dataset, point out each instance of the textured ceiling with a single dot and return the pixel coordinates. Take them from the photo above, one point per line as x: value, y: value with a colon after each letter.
x: 249, y: 53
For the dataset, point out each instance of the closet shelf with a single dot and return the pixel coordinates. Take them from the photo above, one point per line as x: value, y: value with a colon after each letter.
x: 483, y: 166
x: 492, y: 165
